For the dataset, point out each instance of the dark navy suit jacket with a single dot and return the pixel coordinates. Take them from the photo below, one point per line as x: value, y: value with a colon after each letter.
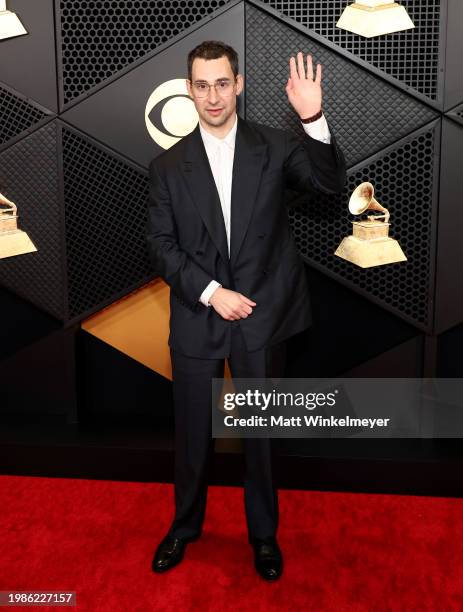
x: 188, y: 245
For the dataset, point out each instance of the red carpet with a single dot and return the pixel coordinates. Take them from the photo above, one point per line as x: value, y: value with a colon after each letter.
x: 342, y: 551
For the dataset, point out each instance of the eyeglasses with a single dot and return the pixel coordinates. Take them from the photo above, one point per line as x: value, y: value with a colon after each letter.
x: 223, y: 87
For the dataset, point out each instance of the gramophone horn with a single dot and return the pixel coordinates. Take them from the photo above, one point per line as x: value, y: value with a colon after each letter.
x: 362, y: 199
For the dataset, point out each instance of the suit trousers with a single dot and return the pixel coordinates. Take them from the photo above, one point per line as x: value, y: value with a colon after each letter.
x: 194, y: 443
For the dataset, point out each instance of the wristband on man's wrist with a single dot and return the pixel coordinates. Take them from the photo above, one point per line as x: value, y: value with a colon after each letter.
x: 314, y: 118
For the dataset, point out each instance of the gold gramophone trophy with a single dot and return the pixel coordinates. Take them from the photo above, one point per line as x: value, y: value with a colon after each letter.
x: 13, y: 241
x: 370, y: 244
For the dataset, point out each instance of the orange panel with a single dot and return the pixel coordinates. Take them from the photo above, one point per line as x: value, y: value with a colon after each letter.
x: 138, y: 325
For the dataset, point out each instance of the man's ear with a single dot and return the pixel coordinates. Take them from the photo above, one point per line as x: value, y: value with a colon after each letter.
x: 188, y: 86
x: 239, y: 83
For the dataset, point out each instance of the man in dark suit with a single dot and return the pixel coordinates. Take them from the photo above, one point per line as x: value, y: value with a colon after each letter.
x: 219, y: 235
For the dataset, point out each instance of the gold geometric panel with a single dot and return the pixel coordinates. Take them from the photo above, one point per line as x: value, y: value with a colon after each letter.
x: 137, y: 325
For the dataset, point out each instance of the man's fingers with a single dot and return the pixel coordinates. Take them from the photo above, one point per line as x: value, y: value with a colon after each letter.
x: 240, y: 312
x: 309, y: 68
x: 300, y: 65
x: 226, y: 313
x: 247, y: 300
x: 236, y: 310
x: 292, y: 68
x: 298, y: 71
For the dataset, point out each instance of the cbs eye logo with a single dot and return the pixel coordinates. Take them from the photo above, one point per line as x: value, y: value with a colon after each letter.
x: 178, y: 115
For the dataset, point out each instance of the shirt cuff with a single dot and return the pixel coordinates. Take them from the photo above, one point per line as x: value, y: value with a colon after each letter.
x: 318, y: 129
x: 208, y: 291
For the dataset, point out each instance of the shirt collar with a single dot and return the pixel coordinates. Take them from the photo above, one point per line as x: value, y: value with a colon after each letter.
x: 210, y: 139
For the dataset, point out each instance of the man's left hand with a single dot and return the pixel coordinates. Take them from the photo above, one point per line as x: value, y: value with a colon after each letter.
x: 304, y: 92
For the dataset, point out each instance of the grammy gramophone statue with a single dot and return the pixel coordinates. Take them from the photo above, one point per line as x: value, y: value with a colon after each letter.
x: 13, y: 241
x: 370, y: 244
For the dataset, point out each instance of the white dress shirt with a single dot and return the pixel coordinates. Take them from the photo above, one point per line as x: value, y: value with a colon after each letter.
x: 220, y: 152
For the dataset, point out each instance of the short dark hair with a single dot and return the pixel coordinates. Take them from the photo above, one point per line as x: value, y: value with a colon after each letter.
x: 213, y: 49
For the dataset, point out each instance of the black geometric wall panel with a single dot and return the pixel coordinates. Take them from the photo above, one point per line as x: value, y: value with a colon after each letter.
x: 99, y: 38
x: 29, y: 177
x: 115, y: 114
x: 404, y: 179
x: 365, y: 112
x: 449, y: 264
x: 28, y: 63
x: 17, y: 115
x: 402, y: 361
x: 39, y: 378
x: 453, y: 92
x: 105, y: 202
x: 398, y: 54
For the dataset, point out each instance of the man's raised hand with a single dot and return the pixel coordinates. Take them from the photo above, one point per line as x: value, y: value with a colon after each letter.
x: 304, y: 92
x: 231, y: 305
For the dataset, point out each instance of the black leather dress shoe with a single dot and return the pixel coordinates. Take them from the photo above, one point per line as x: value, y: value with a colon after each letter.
x: 268, y: 559
x: 168, y: 554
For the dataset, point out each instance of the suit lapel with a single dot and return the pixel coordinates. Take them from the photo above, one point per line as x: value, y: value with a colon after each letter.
x: 248, y: 161
x: 198, y: 174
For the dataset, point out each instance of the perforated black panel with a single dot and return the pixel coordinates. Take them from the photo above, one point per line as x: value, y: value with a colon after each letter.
x: 364, y: 112
x: 29, y: 177
x: 99, y: 38
x: 16, y: 115
x: 411, y: 56
x: 105, y: 202
x: 403, y: 179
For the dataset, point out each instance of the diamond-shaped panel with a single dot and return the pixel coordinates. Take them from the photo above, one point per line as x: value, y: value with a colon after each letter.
x: 365, y: 113
x: 114, y: 115
x: 105, y: 202
x: 404, y: 182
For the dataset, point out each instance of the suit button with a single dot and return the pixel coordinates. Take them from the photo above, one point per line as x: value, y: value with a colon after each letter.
x: 265, y: 271
x: 262, y: 235
x: 199, y: 252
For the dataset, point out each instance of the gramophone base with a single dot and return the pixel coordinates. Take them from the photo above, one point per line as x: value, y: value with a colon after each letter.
x: 16, y: 242
x: 374, y: 21
x: 369, y: 253
x: 10, y: 25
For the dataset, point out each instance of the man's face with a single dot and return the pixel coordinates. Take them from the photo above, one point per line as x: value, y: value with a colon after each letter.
x: 216, y: 107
